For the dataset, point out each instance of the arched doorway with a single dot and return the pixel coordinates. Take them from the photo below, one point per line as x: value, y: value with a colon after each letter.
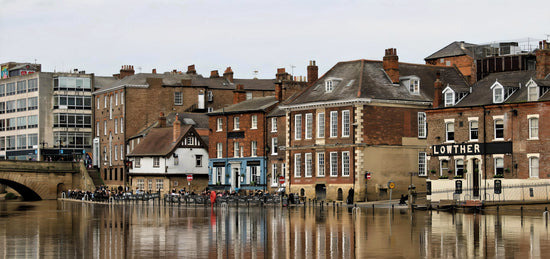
x: 61, y: 188
x: 320, y: 192
x: 340, y: 195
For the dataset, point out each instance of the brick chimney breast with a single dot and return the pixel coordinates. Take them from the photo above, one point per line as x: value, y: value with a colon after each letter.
x: 312, y: 72
x: 391, y: 64
x: 228, y: 74
x: 543, y: 60
x: 162, y: 120
x: 214, y: 74
x: 191, y: 70
x: 176, y: 129
x: 126, y: 70
x: 438, y: 88
x: 239, y: 94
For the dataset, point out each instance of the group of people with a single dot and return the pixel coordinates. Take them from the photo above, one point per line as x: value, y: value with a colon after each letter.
x: 101, y: 193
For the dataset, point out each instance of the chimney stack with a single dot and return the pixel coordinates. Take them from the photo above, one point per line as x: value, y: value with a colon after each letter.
x: 282, y: 75
x: 312, y: 72
x: 176, y: 129
x: 228, y: 74
x: 279, y: 91
x: 543, y: 60
x: 191, y: 70
x: 214, y: 74
x: 162, y: 120
x: 126, y: 70
x: 391, y: 65
x: 438, y: 88
x: 239, y: 94
x: 154, y: 71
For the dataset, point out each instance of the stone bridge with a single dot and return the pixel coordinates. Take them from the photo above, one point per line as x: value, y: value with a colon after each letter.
x: 35, y: 180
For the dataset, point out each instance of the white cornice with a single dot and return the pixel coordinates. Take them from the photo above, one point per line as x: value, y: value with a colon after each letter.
x: 106, y: 90
x: 337, y: 103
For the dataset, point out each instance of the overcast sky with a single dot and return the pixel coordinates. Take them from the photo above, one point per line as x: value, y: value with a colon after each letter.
x: 101, y: 36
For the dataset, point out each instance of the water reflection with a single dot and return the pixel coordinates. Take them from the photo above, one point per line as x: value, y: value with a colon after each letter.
x: 66, y: 229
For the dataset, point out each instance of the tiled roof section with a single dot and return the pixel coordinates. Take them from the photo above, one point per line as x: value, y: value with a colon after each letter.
x: 276, y: 112
x: 367, y: 79
x: 482, y: 94
x: 457, y: 48
x: 254, y: 104
x: 197, y: 120
x: 222, y: 83
x: 159, y: 142
x: 101, y: 82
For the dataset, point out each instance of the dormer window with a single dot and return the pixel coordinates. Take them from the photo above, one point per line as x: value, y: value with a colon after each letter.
x: 498, y: 94
x: 412, y: 83
x: 532, y: 92
x: 329, y: 85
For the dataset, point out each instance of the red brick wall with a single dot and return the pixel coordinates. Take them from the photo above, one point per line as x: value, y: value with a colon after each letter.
x: 244, y: 126
x: 388, y: 125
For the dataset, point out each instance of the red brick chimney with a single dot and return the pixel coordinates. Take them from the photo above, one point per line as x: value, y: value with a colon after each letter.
x: 239, y: 94
x: 391, y: 65
x: 154, y: 71
x: 282, y: 75
x: 228, y: 74
x: 126, y: 70
x: 191, y: 70
x: 214, y: 74
x: 279, y: 91
x: 312, y: 72
x: 176, y: 129
x: 543, y: 60
x: 438, y: 88
x: 162, y: 120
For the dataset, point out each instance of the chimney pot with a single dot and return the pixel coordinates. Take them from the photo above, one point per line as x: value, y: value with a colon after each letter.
x: 391, y: 64
x: 312, y: 72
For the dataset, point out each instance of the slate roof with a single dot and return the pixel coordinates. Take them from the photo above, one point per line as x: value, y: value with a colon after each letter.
x: 170, y: 79
x: 457, y: 48
x: 254, y: 104
x: 159, y: 142
x: 482, y: 93
x: 101, y: 82
x: 367, y: 79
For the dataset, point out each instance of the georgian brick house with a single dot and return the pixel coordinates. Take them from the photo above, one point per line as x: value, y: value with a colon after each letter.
x: 492, y: 144
x: 362, y: 116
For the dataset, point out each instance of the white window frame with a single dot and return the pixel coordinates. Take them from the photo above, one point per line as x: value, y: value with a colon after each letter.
x: 116, y: 99
x: 346, y: 120
x: 274, y: 124
x: 422, y: 125
x: 297, y: 165
x: 116, y: 126
x: 333, y: 164
x: 236, y: 149
x: 121, y: 125
x: 449, y: 97
x: 345, y: 164
x: 298, y: 126
x: 422, y: 164
x: 534, y: 170
x: 321, y: 125
x: 334, y: 124
x: 274, y: 174
x: 414, y: 86
x: 219, y: 124
x: 178, y: 98
x: 320, y: 164
x: 441, y: 168
x: 274, y: 145
x: 104, y: 128
x: 254, y: 122
x: 236, y: 123
x: 496, y: 160
x: 329, y: 86
x: 498, y: 118
x: 156, y: 162
x: 97, y: 129
x: 198, y: 160
x: 308, y: 165
x: 309, y: 126
x: 470, y: 129
x: 97, y: 103
x: 116, y: 153
x: 121, y: 98
x: 137, y: 162
x: 533, y: 120
x: 448, y: 124
x: 219, y: 150
x: 253, y: 148
x: 498, y: 94
x: 532, y: 93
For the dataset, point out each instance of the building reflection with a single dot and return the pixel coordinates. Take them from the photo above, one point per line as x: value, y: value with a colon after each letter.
x: 137, y: 231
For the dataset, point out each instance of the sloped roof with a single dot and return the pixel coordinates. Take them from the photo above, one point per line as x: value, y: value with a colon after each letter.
x: 483, y: 95
x: 159, y: 142
x: 367, y: 79
x: 254, y: 104
x: 457, y: 48
x: 101, y: 82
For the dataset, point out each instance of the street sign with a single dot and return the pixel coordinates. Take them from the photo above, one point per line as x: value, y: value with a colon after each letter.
x: 281, y: 179
x: 190, y: 177
x: 368, y: 175
x: 391, y: 184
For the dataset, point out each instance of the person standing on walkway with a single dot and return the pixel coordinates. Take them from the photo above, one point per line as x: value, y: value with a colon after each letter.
x: 212, y: 198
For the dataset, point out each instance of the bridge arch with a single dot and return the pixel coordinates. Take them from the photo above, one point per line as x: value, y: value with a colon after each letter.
x: 26, y: 193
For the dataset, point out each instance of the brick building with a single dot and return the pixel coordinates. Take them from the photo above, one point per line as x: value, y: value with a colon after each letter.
x: 492, y: 145
x: 361, y: 116
x: 238, y: 143
x: 476, y: 61
x: 132, y: 104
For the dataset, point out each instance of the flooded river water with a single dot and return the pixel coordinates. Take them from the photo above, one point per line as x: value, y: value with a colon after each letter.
x: 55, y: 229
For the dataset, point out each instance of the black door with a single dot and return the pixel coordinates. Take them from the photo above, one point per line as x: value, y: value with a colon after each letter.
x: 476, y: 178
x: 320, y: 192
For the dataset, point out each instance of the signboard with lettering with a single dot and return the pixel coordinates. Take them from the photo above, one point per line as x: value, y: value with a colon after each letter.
x: 472, y: 149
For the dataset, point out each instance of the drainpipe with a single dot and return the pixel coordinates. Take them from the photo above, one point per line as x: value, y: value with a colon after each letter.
x: 484, y: 152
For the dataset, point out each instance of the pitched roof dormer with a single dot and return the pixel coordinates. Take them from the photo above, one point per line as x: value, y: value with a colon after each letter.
x: 449, y: 96
x: 501, y: 91
x: 412, y: 83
